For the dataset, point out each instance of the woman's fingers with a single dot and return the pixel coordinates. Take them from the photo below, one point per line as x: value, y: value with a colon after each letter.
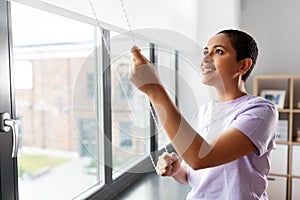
x: 143, y: 73
x: 174, y: 156
x: 137, y: 57
x: 165, y: 163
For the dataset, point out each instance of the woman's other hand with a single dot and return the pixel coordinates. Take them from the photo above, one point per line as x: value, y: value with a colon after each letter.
x: 168, y: 164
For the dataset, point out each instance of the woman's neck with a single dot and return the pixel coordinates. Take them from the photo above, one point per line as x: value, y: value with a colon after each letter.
x: 231, y: 92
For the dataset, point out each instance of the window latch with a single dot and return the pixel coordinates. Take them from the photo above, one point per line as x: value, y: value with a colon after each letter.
x: 7, y: 124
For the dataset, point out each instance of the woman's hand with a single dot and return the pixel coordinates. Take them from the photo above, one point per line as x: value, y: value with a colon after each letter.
x: 143, y: 73
x: 168, y: 164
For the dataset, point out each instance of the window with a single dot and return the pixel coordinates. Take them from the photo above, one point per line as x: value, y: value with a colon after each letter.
x: 165, y: 60
x: 85, y: 127
x: 130, y: 115
x: 23, y: 74
x: 54, y: 56
x: 91, y: 85
x: 88, y: 137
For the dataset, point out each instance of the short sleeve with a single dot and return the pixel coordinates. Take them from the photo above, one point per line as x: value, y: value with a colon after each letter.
x: 258, y: 121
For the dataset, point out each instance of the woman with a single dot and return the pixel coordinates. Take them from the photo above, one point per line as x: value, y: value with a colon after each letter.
x: 236, y: 162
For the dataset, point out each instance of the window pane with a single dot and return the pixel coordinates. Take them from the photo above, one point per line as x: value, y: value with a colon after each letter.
x: 56, y: 104
x: 130, y: 113
x: 165, y: 62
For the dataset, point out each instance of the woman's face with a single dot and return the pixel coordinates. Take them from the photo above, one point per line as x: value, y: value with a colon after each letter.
x: 219, y: 66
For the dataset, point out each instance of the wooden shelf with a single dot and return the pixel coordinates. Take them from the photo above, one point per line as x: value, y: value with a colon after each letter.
x: 285, y: 110
x: 280, y: 175
x: 282, y: 142
x: 297, y: 110
x: 291, y: 84
x: 295, y: 143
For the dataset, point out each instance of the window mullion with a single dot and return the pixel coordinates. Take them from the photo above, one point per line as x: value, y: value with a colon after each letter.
x: 153, y: 128
x: 176, y: 77
x: 107, y: 125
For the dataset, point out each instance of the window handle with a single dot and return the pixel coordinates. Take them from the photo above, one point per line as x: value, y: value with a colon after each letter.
x: 6, y: 123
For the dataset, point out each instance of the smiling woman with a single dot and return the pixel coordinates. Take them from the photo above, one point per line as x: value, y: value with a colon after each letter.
x: 86, y: 120
x: 229, y: 158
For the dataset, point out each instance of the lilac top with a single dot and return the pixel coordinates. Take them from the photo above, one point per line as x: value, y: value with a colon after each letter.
x: 246, y: 177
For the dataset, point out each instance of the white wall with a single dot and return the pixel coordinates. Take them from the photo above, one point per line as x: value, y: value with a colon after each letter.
x: 216, y: 15
x: 276, y: 28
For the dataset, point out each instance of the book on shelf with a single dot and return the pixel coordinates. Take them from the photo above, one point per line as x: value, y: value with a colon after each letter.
x: 282, y: 130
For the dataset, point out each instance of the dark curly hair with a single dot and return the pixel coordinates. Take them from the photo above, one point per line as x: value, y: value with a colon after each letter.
x: 244, y: 45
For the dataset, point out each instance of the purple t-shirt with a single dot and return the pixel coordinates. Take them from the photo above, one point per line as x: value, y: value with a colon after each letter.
x: 246, y: 177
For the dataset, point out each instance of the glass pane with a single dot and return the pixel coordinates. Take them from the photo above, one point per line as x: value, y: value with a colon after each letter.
x: 56, y: 95
x: 165, y: 62
x: 130, y: 113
